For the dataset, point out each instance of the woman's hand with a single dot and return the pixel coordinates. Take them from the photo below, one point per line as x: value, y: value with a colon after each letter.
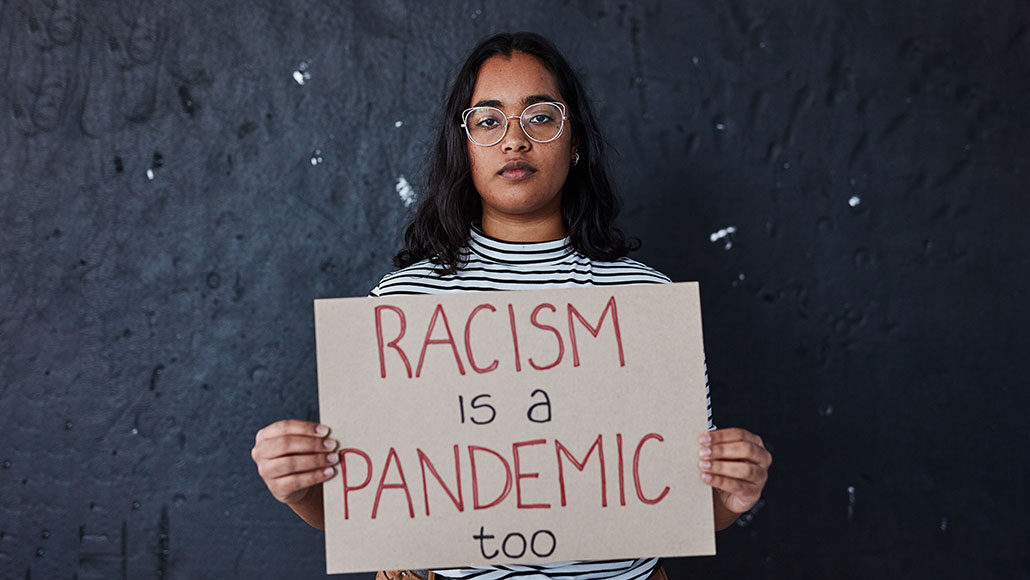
x: 736, y: 464
x: 292, y: 456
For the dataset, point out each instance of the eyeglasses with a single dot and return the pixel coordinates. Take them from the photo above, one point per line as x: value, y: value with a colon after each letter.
x: 541, y: 122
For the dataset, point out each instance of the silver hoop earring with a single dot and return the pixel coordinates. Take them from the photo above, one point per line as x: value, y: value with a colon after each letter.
x: 575, y: 158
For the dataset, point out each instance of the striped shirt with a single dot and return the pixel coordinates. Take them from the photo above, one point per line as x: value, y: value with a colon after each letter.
x: 490, y: 264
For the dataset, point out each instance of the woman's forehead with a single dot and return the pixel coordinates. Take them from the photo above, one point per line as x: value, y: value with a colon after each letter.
x: 513, y: 81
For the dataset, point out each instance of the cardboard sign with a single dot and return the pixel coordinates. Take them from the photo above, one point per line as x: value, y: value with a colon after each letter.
x: 484, y: 428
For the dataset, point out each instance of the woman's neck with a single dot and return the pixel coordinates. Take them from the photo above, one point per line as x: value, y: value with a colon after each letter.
x: 523, y: 228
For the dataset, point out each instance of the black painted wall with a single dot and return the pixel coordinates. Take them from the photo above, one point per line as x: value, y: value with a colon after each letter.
x: 180, y: 179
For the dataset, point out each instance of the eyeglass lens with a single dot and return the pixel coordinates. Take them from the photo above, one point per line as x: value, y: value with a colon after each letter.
x: 542, y: 122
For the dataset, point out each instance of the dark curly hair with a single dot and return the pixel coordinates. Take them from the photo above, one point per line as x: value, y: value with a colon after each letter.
x: 440, y: 227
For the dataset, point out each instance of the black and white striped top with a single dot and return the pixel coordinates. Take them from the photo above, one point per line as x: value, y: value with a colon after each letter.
x: 492, y: 264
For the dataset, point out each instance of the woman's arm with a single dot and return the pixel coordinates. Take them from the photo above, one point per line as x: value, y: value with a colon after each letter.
x: 724, y: 518
x: 310, y: 508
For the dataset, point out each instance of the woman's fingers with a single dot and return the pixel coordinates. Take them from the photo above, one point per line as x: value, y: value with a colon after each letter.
x: 291, y: 427
x: 730, y: 435
x: 291, y: 445
x: 734, y: 444
x: 733, y: 485
x: 742, y: 470
x: 291, y: 488
x: 738, y: 450
x: 294, y: 464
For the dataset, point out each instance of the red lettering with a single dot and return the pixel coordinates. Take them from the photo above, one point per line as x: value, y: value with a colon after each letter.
x: 468, y: 340
x: 557, y: 335
x: 519, y: 475
x: 393, y: 343
x: 622, y: 473
x: 595, y: 331
x: 636, y: 471
x: 475, y: 477
x: 425, y: 462
x: 514, y: 338
x: 343, y: 476
x: 428, y: 341
x: 392, y: 457
x: 560, y: 449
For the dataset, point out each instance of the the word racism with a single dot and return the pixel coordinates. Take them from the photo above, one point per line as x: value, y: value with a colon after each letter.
x: 572, y: 319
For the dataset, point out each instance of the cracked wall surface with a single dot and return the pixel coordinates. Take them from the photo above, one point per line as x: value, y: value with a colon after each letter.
x: 179, y: 180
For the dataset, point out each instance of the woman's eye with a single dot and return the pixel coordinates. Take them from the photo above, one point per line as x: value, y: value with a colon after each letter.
x: 487, y: 123
x: 540, y: 118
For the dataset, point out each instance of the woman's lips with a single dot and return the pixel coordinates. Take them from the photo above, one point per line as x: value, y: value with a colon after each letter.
x: 517, y: 174
x: 517, y: 171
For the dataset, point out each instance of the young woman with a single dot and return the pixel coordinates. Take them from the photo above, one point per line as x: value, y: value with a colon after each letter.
x: 517, y: 198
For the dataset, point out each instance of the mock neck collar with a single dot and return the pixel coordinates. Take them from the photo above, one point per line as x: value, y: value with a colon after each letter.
x: 504, y: 251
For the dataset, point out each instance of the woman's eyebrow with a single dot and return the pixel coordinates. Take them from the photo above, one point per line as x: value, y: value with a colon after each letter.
x: 531, y: 99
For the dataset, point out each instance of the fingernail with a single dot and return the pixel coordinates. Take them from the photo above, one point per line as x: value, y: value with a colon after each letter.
x: 329, y: 443
x: 706, y: 438
x: 321, y: 430
x: 332, y: 457
x: 706, y: 465
x: 329, y: 471
x: 705, y: 452
x: 706, y: 477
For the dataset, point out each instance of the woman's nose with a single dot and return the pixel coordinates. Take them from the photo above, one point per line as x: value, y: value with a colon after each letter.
x: 514, y: 137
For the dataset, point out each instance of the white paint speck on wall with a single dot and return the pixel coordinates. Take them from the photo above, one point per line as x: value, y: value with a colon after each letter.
x: 724, y: 234
x: 854, y: 201
x: 301, y: 75
x: 405, y: 192
x: 851, y: 502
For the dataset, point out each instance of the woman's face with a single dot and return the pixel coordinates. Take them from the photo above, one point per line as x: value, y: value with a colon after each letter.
x: 512, y: 194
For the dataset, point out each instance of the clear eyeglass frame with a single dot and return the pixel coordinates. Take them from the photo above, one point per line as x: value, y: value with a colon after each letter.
x: 561, y: 128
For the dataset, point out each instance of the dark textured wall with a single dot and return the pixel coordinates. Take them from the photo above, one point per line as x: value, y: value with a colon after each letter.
x: 848, y: 180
